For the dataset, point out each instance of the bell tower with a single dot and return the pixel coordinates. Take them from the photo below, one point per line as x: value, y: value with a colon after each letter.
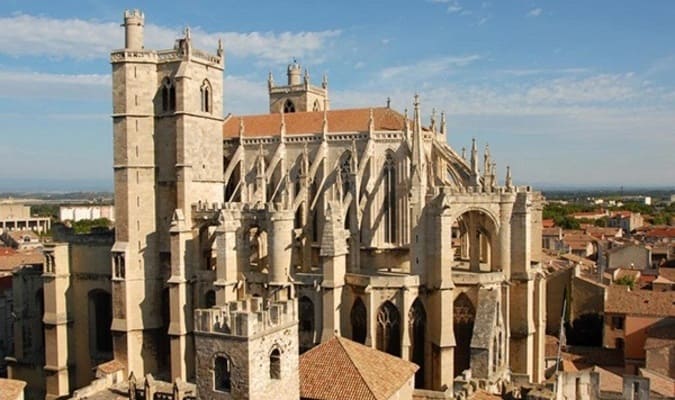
x: 298, y: 95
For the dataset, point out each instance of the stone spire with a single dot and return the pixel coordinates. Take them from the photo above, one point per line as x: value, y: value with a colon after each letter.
x: 324, y: 82
x: 443, y: 125
x: 220, y: 51
x: 475, y: 177
x: 419, y: 171
x: 241, y: 128
x: 433, y: 120
x: 486, y: 161
x: 371, y: 122
x: 508, y: 183
x: 306, y: 77
x: 474, y: 157
x: 463, y: 153
x: 270, y: 80
x: 418, y: 142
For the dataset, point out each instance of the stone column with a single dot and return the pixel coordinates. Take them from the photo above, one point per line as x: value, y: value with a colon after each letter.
x: 56, y: 284
x: 280, y: 248
x: 227, y: 260
x: 180, y: 326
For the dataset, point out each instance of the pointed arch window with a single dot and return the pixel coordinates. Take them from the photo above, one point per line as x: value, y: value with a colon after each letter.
x: 418, y: 321
x: 206, y: 97
x: 358, y: 317
x: 168, y: 95
x: 317, y: 106
x: 389, y: 329
x: 389, y: 201
x: 289, y: 107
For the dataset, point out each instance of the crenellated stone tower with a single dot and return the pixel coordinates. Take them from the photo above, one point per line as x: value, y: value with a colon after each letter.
x: 167, y: 118
x: 248, y: 350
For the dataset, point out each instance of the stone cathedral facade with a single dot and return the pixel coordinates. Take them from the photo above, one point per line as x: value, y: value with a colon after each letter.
x: 362, y: 223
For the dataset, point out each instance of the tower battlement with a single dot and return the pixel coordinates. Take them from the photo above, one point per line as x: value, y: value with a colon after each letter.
x: 246, y: 318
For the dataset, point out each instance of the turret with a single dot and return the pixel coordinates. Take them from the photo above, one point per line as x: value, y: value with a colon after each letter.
x: 133, y: 29
x: 294, y: 73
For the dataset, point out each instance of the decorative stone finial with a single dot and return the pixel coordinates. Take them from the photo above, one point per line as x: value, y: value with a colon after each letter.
x: 241, y: 127
x: 270, y: 80
x: 508, y: 183
x: 324, y: 82
x: 388, y: 102
x: 220, y: 51
x: 443, y: 124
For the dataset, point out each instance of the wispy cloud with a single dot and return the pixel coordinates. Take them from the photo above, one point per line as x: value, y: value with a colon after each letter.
x: 535, y: 12
x: 29, y: 35
x: 429, y: 67
x: 453, y: 6
x: 20, y: 84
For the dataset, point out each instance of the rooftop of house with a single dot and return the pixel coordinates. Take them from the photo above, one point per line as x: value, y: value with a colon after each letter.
x: 346, y: 370
x: 10, y: 262
x: 311, y: 122
x: 621, y: 300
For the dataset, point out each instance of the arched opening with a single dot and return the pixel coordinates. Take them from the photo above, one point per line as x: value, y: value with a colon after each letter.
x: 275, y: 364
x: 418, y: 321
x: 317, y: 106
x: 464, y: 317
x: 389, y: 329
x: 306, y: 323
x: 345, y: 171
x: 205, y: 94
x: 289, y: 107
x: 168, y: 94
x: 100, y: 320
x: 389, y: 199
x: 473, y: 236
x: 358, y: 317
x: 257, y: 239
x: 222, y: 370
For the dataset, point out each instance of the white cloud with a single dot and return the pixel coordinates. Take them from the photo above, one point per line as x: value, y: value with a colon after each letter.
x: 535, y: 12
x: 29, y: 35
x: 453, y: 6
x: 42, y: 85
x: 429, y: 67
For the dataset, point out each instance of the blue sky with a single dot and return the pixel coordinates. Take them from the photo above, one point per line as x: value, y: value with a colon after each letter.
x: 567, y: 93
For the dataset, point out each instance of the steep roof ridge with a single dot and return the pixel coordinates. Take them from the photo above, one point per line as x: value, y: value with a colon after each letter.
x: 351, y: 360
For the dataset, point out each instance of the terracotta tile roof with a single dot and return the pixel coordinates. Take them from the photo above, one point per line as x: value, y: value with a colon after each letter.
x: 10, y: 389
x: 350, y: 120
x: 345, y: 370
x: 6, y: 251
x: 661, y: 232
x: 621, y: 300
x: 12, y: 261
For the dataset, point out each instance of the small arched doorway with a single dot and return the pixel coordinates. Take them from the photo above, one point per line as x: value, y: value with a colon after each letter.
x: 464, y: 317
x: 418, y: 321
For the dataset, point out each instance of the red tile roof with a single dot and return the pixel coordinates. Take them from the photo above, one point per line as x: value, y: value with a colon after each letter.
x: 345, y: 370
x: 350, y: 120
x: 620, y: 300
